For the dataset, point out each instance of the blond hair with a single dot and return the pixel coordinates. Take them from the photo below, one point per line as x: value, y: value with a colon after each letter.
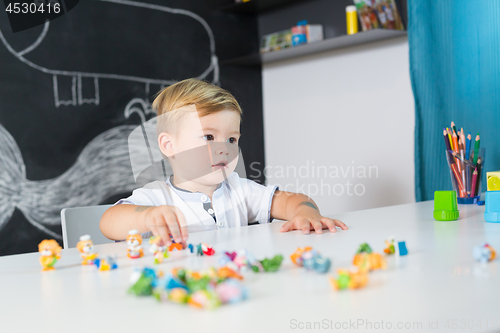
x: 207, y: 98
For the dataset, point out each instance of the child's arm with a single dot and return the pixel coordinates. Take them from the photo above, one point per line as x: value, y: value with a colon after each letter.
x: 301, y: 213
x: 160, y: 220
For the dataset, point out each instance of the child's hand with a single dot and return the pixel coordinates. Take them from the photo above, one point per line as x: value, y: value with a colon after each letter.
x: 164, y: 221
x: 307, y: 219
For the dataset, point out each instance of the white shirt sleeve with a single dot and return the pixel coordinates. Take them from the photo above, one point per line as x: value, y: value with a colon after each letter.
x: 258, y: 199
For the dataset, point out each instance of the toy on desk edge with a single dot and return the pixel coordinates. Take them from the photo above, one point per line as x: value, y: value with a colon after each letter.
x: 311, y: 259
x: 86, y: 248
x: 205, y: 289
x: 134, y: 242
x: 50, y: 252
x: 484, y: 253
x: 159, y: 251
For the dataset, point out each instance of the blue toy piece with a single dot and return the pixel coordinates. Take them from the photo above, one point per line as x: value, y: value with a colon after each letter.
x: 492, y: 209
x: 402, y: 248
x: 191, y: 247
x: 173, y: 283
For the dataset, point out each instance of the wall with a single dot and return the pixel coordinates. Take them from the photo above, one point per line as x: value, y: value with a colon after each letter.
x: 342, y: 111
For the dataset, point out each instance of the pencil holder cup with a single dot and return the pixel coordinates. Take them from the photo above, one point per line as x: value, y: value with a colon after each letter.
x: 492, y: 207
x: 466, y: 173
x: 445, y: 206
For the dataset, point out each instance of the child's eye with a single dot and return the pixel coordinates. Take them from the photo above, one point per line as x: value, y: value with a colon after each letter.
x: 232, y: 140
x: 209, y: 137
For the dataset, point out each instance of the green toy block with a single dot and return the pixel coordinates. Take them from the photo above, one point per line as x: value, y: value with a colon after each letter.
x: 445, y: 206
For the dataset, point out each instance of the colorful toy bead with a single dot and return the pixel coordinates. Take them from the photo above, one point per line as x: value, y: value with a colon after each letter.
x: 484, y: 253
x: 50, y: 252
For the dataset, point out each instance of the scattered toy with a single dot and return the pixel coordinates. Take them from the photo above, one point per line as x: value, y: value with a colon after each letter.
x: 484, y: 253
x: 352, y: 279
x: 390, y: 249
x: 206, y: 289
x: 50, y: 252
x: 134, y: 242
x: 364, y: 248
x: 106, y: 264
x: 268, y: 265
x: 402, y: 250
x: 311, y: 260
x: 159, y: 251
x: 369, y: 261
x: 86, y: 248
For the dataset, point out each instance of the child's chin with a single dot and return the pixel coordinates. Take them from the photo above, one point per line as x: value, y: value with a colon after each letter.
x: 216, y: 177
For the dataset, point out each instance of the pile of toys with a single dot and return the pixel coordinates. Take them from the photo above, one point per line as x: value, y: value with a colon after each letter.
x: 205, y: 289
x: 310, y: 259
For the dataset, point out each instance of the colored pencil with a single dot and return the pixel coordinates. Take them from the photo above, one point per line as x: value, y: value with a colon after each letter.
x: 476, y: 148
x: 446, y: 141
x: 478, y: 180
x: 467, y: 146
x: 453, y: 127
x: 459, y: 180
x: 455, y: 148
x: 449, y: 137
x: 462, y: 158
x: 474, y: 180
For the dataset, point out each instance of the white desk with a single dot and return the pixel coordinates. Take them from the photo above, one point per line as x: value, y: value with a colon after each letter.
x: 438, y: 281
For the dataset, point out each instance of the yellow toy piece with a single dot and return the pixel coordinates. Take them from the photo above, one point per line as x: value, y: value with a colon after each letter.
x: 50, y: 252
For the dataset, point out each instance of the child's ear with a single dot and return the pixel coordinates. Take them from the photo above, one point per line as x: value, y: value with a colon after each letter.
x: 166, y: 144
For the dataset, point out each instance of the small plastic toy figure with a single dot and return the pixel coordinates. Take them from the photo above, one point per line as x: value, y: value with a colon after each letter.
x: 134, y: 242
x: 311, y: 260
x: 297, y: 255
x: 367, y: 262
x: 349, y: 279
x: 86, y: 248
x: 390, y: 249
x: 268, y: 265
x: 402, y: 250
x: 484, y: 253
x: 364, y: 248
x: 159, y: 251
x: 106, y: 264
x: 50, y: 252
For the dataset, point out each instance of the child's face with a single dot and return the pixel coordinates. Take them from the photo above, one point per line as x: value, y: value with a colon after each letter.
x: 205, y: 149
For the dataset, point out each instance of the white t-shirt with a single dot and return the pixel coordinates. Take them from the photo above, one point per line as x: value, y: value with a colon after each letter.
x: 236, y: 202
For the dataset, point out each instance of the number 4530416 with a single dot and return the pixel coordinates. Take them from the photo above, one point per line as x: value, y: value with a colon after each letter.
x: 25, y: 8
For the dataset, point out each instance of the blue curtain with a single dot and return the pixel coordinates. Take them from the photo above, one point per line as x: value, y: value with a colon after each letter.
x: 455, y: 76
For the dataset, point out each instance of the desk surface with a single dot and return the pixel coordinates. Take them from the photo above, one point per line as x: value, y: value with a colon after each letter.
x: 438, y: 285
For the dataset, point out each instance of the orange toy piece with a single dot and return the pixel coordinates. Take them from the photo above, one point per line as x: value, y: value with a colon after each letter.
x: 296, y: 257
x: 134, y: 242
x: 86, y: 248
x: 50, y: 252
x: 349, y: 279
x: 369, y: 261
x: 226, y: 272
x: 175, y: 246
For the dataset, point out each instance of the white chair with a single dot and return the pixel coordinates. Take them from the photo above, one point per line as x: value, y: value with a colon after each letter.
x: 79, y: 221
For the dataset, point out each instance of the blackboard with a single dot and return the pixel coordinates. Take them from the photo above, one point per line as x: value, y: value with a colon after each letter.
x: 66, y: 87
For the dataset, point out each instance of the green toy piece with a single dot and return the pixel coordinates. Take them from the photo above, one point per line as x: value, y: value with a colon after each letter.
x: 445, y: 206
x: 143, y: 286
x: 364, y: 248
x: 269, y: 265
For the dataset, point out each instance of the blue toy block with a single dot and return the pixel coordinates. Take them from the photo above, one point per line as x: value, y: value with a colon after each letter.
x: 402, y: 248
x: 190, y: 246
